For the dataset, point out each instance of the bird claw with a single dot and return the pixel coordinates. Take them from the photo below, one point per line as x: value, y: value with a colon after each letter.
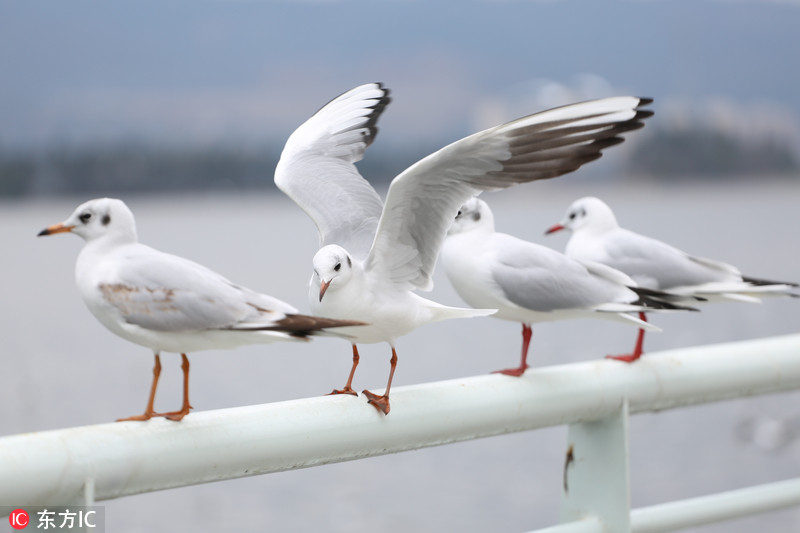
x: 381, y: 403
x: 516, y: 372
x: 630, y: 358
x: 175, y: 416
x: 345, y: 390
x: 138, y: 418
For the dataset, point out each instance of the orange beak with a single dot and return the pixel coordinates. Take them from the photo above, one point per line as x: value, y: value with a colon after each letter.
x: 553, y: 229
x: 55, y: 228
x: 323, y: 286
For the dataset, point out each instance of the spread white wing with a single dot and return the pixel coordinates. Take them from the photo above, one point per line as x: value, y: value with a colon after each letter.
x: 423, y: 201
x: 317, y: 168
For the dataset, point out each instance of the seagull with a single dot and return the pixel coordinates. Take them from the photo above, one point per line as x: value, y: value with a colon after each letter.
x: 596, y: 236
x: 531, y: 283
x: 372, y: 254
x: 168, y: 303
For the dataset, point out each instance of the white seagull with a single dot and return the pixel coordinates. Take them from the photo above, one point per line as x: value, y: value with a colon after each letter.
x: 531, y: 283
x: 596, y: 236
x: 168, y: 303
x: 373, y: 255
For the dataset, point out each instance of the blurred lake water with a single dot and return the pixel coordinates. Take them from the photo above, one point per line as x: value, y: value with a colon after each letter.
x: 61, y: 368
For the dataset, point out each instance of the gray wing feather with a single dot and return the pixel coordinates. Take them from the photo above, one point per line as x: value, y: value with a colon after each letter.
x: 646, y: 258
x: 423, y: 201
x: 541, y: 279
x: 164, y: 292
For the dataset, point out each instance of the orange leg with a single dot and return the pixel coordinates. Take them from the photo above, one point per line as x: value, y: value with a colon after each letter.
x: 527, y: 332
x: 348, y: 387
x: 148, y: 412
x: 381, y: 403
x: 637, y: 350
x: 177, y: 416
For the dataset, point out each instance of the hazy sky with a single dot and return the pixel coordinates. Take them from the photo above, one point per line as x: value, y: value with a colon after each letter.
x: 187, y: 72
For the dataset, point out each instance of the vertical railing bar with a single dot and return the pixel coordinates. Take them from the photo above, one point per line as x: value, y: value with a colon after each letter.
x: 88, y: 492
x: 596, y: 481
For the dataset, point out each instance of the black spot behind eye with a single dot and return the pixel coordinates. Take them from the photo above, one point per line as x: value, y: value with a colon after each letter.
x: 85, y: 217
x: 106, y: 220
x: 349, y: 262
x: 337, y: 267
x: 476, y: 216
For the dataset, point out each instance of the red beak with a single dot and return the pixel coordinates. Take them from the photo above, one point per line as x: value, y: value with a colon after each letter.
x: 553, y: 229
x: 323, y: 286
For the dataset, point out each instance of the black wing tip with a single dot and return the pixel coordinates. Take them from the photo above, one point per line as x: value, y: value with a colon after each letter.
x: 602, y: 144
x: 644, y: 100
x: 377, y: 110
x: 658, y: 300
x: 764, y: 282
x: 385, y: 99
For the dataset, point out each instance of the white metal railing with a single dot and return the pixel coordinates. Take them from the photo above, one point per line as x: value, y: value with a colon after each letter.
x: 86, y: 464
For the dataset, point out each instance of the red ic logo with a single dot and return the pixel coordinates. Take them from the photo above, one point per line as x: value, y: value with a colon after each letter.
x: 19, y: 519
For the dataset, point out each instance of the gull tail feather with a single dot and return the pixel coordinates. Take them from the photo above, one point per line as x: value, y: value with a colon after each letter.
x: 442, y: 312
x: 302, y: 327
x: 647, y: 326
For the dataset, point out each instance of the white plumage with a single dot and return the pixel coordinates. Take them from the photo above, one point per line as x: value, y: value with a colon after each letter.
x: 168, y: 303
x: 596, y: 236
x: 529, y: 283
x: 373, y: 254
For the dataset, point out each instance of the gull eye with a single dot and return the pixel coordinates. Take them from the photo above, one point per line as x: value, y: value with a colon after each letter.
x: 85, y: 217
x: 338, y: 267
x: 572, y: 216
x: 459, y: 213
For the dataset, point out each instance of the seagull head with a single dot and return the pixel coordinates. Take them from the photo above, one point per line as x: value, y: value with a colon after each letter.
x: 100, y: 218
x: 473, y: 215
x: 588, y: 213
x: 333, y: 268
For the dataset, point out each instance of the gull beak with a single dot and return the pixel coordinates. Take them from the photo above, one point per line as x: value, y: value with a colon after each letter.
x: 55, y: 228
x: 553, y: 229
x: 323, y: 286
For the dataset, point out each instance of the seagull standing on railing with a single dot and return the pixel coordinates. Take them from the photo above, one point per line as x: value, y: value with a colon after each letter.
x: 373, y: 255
x: 168, y: 303
x: 531, y: 283
x: 596, y: 236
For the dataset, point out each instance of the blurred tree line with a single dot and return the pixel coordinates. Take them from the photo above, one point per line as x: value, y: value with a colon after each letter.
x: 136, y: 167
x: 712, y: 153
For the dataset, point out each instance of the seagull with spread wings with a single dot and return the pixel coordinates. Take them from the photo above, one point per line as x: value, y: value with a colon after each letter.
x: 374, y: 254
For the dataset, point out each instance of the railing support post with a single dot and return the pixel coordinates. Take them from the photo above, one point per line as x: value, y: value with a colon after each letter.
x: 596, y: 482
